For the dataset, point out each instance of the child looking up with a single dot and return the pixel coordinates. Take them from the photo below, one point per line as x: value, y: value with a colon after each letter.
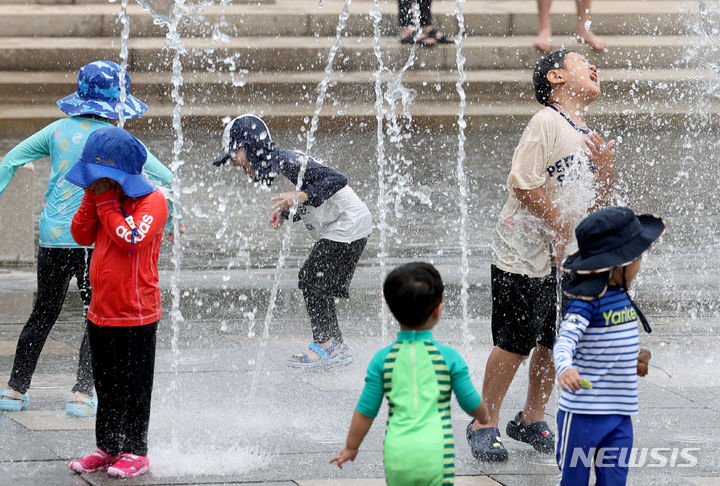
x: 416, y: 375
x: 596, y: 353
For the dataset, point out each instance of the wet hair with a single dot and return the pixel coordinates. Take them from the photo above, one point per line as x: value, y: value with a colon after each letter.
x: 413, y: 291
x: 543, y: 88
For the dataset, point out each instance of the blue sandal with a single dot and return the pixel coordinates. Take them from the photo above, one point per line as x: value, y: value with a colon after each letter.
x: 335, y: 355
x: 81, y: 407
x: 13, y: 404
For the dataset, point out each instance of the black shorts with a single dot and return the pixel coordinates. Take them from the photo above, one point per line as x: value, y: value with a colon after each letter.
x: 523, y: 310
x: 330, y: 267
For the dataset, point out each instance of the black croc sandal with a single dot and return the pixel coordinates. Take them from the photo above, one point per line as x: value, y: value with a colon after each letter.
x: 440, y: 39
x: 537, y: 435
x: 485, y: 444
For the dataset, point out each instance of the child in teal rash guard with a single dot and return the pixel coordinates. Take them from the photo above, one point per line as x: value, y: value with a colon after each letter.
x: 94, y: 105
x: 417, y: 375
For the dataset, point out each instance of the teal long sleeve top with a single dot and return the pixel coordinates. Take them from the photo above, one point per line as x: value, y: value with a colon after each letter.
x: 63, y: 141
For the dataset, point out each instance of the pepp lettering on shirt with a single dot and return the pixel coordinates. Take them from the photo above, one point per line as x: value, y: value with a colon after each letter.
x: 558, y: 169
x: 616, y: 317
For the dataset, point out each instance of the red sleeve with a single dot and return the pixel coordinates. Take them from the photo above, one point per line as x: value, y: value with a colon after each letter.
x: 85, y: 222
x: 149, y: 216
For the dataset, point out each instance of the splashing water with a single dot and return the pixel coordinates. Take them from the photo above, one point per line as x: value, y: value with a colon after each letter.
x: 124, y: 38
x: 462, y: 178
x: 287, y: 237
x: 376, y: 15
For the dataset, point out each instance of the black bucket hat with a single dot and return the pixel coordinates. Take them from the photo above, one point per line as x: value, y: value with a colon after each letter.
x: 608, y: 238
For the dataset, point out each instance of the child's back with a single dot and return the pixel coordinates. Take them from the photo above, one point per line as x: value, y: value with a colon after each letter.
x: 417, y: 376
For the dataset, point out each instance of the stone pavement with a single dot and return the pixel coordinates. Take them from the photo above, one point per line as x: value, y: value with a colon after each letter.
x: 208, y: 428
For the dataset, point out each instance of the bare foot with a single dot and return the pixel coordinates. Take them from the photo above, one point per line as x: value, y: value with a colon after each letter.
x: 589, y: 37
x: 542, y: 43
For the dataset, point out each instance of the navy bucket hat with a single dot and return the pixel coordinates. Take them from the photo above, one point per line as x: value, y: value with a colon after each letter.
x: 251, y: 133
x: 113, y: 153
x: 98, y: 93
x: 608, y: 238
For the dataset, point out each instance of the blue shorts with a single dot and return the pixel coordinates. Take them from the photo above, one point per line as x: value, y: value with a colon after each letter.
x: 603, y: 441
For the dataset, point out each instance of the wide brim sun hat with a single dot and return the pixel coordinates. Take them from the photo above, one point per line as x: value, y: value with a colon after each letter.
x: 608, y: 238
x: 98, y: 93
x: 113, y: 153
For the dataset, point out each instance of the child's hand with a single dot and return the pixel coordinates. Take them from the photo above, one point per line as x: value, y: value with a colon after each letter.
x: 344, y: 456
x: 643, y: 362
x: 570, y: 380
x: 102, y: 185
x: 481, y: 415
x: 276, y: 220
x: 285, y: 200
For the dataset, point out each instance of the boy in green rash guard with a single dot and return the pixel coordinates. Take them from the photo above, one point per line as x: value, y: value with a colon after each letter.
x: 417, y: 375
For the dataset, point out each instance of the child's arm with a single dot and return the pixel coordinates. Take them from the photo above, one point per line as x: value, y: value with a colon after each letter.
x: 29, y: 150
x: 366, y: 409
x: 85, y: 221
x: 359, y: 428
x: 156, y: 171
x: 537, y: 203
x: 571, y: 330
x: 468, y: 398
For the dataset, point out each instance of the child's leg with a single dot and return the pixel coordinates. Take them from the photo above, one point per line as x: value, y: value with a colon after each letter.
x: 108, y: 349
x: 323, y: 318
x: 425, y: 14
x: 327, y: 274
x: 404, y: 13
x: 53, y: 279
x: 141, y: 368
x: 575, y: 450
x: 618, y: 443
x: 84, y: 383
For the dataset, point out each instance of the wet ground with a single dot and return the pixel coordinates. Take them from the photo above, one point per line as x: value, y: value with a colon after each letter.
x: 208, y: 428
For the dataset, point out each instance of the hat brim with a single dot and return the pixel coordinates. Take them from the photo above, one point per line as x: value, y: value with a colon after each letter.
x: 653, y: 228
x: 85, y: 173
x: 222, y: 158
x: 74, y: 105
x: 586, y: 286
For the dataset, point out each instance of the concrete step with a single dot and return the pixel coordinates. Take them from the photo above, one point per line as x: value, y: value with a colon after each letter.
x: 298, y: 54
x: 24, y: 118
x: 306, y: 18
x: 647, y: 86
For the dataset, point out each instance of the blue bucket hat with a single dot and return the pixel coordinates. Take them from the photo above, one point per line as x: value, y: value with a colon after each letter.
x: 98, y: 93
x: 608, y: 238
x: 252, y: 134
x: 113, y: 153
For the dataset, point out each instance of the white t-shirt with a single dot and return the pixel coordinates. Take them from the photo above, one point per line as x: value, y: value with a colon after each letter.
x: 549, y: 156
x: 343, y: 217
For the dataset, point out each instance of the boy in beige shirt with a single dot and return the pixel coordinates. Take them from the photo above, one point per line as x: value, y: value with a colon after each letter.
x: 560, y: 172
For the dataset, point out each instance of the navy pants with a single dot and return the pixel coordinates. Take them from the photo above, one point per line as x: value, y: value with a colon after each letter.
x: 123, y: 366
x: 602, y: 441
x: 325, y: 275
x: 55, y: 268
x: 405, y: 14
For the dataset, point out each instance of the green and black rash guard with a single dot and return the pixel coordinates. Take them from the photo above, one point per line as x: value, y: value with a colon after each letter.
x: 417, y: 375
